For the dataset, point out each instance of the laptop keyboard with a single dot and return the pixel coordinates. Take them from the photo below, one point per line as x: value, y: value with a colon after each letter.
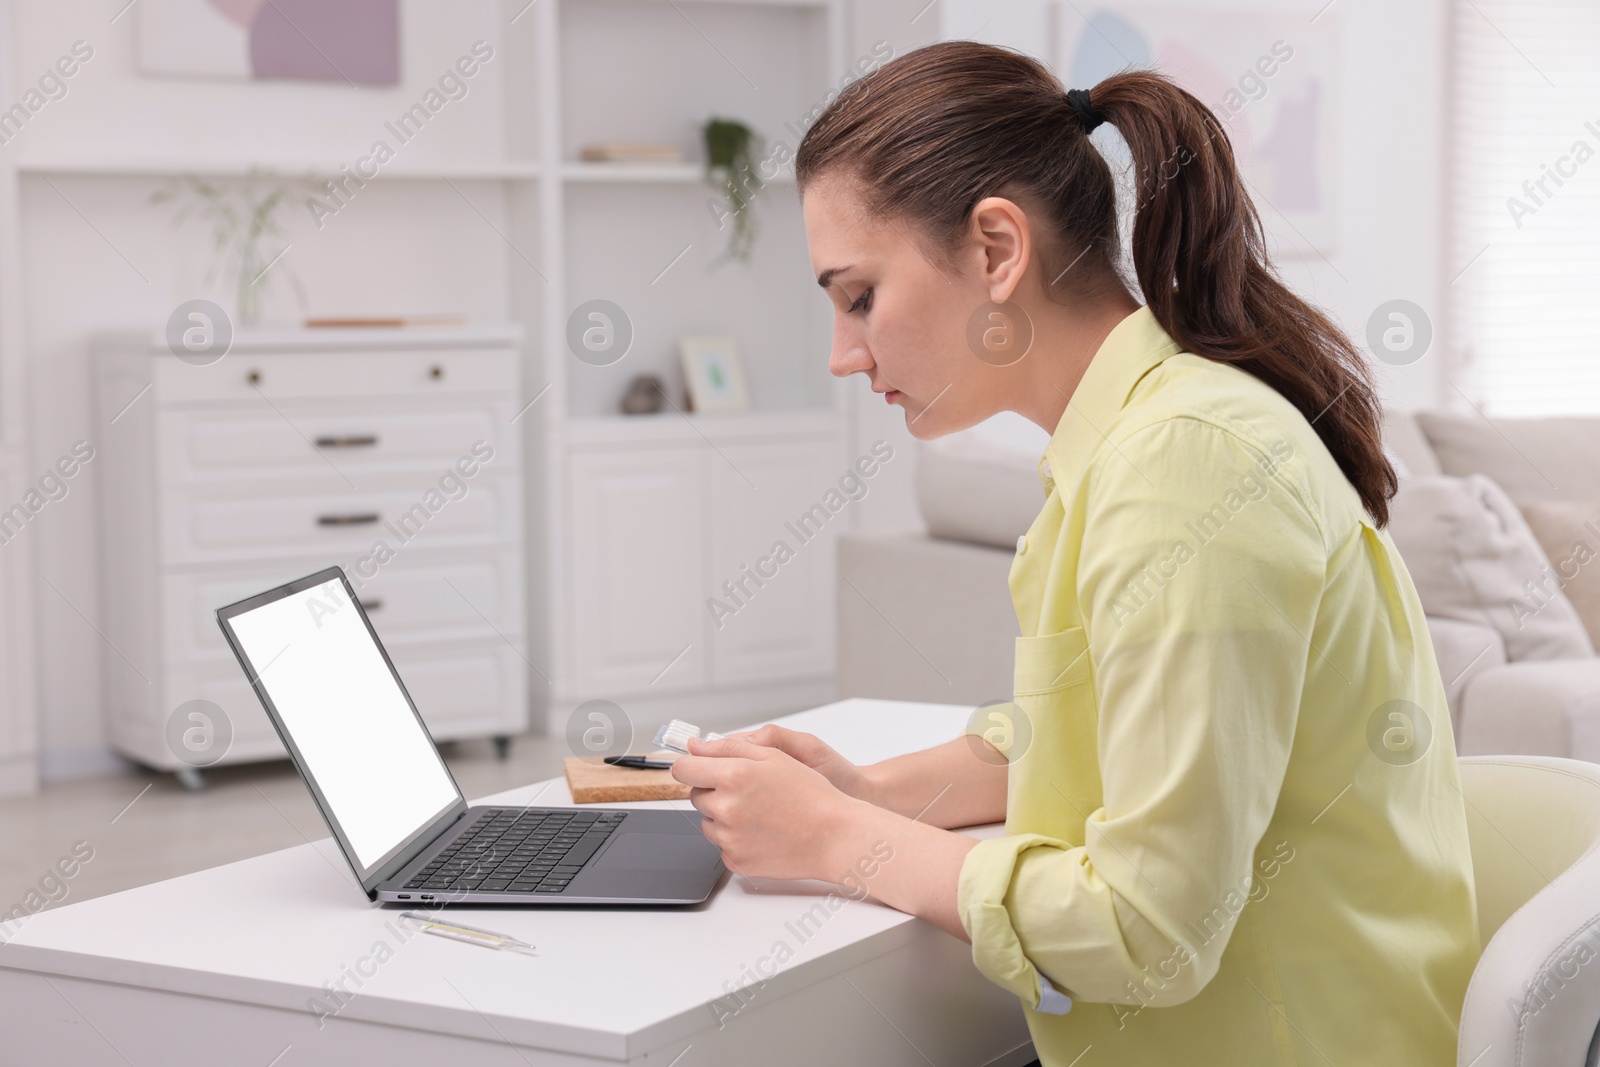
x: 520, y: 851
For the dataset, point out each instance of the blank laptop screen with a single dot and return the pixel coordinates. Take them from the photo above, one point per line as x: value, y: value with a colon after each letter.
x: 377, y: 768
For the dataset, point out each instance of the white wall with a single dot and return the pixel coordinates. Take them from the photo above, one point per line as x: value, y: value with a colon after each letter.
x: 97, y: 256
x: 114, y: 110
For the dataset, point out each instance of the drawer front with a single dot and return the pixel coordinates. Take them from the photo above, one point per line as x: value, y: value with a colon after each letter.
x: 224, y: 685
x: 337, y: 527
x: 331, y: 442
x: 276, y: 376
x: 459, y: 690
x: 413, y: 598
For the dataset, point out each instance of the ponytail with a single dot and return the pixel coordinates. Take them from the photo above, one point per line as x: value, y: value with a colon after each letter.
x: 1200, y: 258
x: 929, y: 134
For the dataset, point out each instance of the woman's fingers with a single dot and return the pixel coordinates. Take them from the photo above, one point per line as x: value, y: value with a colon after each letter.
x: 700, y: 797
x: 700, y: 773
x: 716, y: 764
x: 767, y: 812
x: 807, y: 748
x: 729, y: 746
x: 794, y: 742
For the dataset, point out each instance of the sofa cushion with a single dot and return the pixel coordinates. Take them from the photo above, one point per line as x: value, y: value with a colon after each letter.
x: 1407, y: 446
x: 982, y: 484
x: 1533, y: 709
x: 1531, y: 459
x: 1463, y: 651
x: 1569, y: 532
x: 1470, y: 554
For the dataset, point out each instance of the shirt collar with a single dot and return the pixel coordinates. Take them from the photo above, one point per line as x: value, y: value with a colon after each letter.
x: 1133, y: 348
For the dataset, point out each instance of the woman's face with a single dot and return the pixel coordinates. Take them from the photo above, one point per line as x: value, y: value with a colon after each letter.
x: 897, y: 319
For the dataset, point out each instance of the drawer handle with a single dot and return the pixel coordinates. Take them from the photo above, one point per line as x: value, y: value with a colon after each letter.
x: 369, y: 606
x: 436, y: 372
x: 364, y: 518
x: 254, y: 377
x: 357, y: 440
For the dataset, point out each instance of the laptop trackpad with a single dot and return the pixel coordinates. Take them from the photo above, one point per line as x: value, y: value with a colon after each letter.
x: 645, y: 851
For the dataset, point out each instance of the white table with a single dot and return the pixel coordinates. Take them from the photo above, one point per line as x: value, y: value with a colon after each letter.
x: 221, y: 967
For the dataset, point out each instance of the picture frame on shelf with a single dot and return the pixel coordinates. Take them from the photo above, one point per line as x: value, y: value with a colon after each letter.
x: 714, y: 374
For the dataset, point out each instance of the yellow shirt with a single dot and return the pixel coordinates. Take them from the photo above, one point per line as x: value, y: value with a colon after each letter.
x: 1234, y: 828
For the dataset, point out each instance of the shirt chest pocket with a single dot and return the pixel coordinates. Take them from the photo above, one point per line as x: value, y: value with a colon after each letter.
x: 1050, y: 663
x: 1055, y: 773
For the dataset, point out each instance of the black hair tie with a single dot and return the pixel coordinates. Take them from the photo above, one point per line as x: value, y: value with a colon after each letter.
x: 1088, y: 117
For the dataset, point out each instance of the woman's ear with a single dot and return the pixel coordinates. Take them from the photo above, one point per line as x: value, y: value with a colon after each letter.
x: 1005, y: 243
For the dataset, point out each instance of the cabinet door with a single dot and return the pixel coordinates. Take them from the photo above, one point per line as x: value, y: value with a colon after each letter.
x: 776, y: 511
x: 637, y: 544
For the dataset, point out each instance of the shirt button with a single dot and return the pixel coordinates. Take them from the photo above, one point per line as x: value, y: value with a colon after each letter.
x: 1022, y: 544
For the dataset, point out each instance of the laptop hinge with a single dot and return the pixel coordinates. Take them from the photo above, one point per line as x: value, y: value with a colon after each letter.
x: 404, y: 859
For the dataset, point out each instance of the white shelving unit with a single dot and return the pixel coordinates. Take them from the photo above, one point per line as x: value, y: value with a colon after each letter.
x: 579, y: 71
x: 645, y: 518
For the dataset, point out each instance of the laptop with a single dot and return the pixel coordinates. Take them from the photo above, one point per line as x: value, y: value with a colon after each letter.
x: 393, y: 806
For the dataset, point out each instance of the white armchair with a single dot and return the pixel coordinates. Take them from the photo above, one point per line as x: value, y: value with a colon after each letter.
x: 1534, y: 999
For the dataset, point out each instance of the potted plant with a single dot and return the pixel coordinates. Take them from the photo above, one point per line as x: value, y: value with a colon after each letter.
x: 243, y: 219
x: 731, y: 149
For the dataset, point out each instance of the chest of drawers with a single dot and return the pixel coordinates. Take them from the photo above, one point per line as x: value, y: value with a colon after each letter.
x: 392, y: 454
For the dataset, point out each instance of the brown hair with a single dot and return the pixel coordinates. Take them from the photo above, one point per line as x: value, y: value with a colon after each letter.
x: 929, y: 134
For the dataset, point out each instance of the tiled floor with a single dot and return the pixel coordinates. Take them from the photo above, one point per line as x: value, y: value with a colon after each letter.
x: 145, y: 827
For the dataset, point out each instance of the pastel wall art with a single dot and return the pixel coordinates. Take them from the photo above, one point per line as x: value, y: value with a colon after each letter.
x: 1268, y: 75
x: 1271, y: 76
x: 350, y: 42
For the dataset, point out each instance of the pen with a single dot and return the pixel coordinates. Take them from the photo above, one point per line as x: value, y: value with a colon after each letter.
x: 641, y: 763
x: 471, y: 934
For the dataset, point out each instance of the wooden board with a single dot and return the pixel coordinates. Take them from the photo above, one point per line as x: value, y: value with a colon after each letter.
x: 592, y: 782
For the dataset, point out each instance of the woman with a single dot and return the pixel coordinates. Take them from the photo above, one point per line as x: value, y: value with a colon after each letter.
x: 1234, y: 828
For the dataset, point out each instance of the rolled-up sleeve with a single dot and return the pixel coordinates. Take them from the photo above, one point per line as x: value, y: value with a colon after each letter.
x: 1198, y: 577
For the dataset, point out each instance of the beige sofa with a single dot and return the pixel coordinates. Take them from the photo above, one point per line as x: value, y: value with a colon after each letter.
x: 926, y: 615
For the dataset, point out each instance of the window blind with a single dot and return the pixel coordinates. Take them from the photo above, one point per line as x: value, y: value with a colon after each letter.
x: 1524, y: 302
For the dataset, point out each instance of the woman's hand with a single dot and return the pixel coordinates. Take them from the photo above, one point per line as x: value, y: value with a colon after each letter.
x: 771, y: 814
x: 775, y: 816
x: 814, y: 753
